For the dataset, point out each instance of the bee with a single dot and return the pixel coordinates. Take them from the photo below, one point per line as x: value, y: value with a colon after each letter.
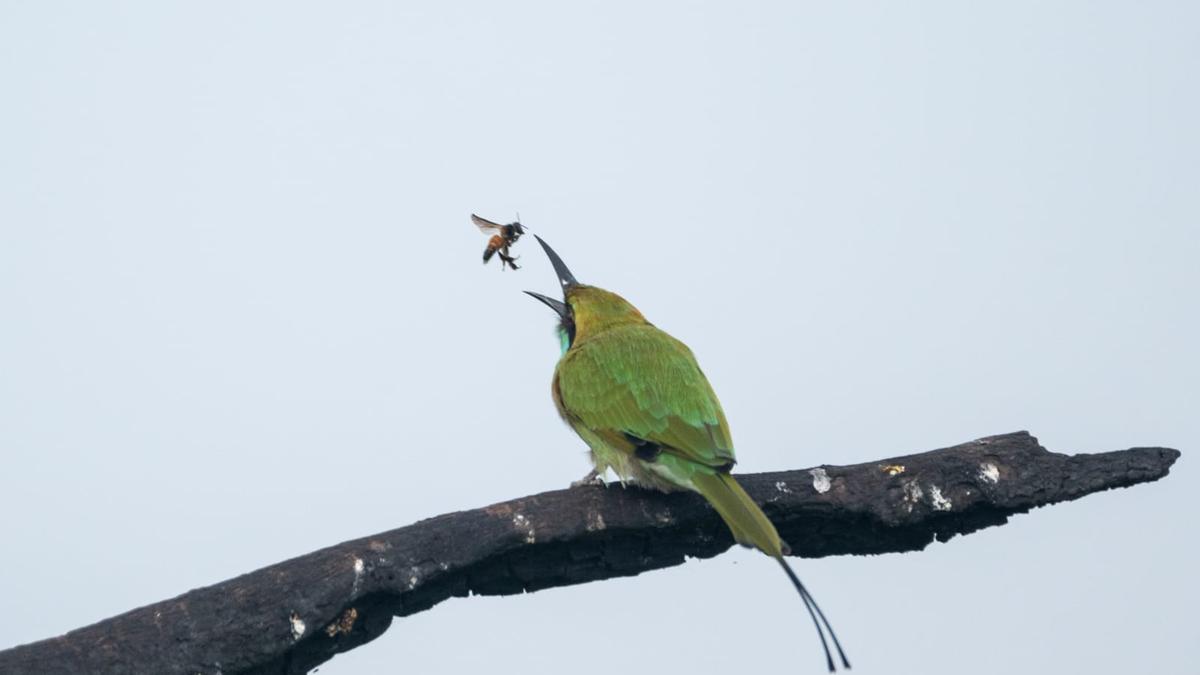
x: 503, y: 236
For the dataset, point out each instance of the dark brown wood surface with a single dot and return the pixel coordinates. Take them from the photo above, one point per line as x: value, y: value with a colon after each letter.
x: 292, y: 616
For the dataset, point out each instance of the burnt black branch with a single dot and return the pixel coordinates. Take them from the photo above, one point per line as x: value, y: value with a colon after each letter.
x: 292, y: 616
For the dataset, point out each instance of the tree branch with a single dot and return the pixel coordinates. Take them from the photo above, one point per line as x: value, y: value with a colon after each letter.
x: 293, y: 616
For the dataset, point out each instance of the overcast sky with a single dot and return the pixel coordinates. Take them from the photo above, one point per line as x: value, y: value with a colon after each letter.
x: 240, y: 291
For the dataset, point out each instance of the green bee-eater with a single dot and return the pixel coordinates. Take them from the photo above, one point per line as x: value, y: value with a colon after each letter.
x: 637, y: 397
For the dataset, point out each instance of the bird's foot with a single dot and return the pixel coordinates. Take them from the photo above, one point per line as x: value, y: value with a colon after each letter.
x: 592, y: 478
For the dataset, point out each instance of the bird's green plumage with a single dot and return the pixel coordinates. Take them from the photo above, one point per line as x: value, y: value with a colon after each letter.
x: 622, y: 382
x: 641, y: 381
x: 639, y: 400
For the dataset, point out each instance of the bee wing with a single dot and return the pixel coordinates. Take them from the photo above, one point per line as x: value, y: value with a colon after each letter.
x: 484, y: 224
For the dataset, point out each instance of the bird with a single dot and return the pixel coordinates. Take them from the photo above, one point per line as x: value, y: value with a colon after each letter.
x: 638, y: 399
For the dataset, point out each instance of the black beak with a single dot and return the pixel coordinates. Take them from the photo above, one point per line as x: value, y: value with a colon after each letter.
x: 560, y: 268
x: 558, y: 306
x: 565, y: 278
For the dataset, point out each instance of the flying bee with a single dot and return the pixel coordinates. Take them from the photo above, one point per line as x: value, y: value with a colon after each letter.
x: 503, y: 236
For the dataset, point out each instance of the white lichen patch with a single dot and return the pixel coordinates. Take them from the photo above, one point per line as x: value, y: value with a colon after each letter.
x: 298, y: 626
x: 989, y: 473
x: 912, y: 494
x: 359, y: 568
x: 414, y: 577
x: 820, y: 480
x: 523, y: 523
x: 595, y: 521
x: 937, y: 501
x: 782, y: 487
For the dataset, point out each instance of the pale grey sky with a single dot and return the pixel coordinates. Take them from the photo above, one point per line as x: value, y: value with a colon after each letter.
x: 240, y: 290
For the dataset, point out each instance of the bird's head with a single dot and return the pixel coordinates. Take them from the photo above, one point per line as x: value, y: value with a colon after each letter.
x: 584, y: 310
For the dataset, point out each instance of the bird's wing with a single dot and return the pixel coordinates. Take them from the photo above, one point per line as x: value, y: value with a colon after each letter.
x: 484, y: 224
x: 639, y: 381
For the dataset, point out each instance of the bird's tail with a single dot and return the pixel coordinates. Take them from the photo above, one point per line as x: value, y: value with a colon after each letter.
x: 751, y: 527
x: 748, y: 523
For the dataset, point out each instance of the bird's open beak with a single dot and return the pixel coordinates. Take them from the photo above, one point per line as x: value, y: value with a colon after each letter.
x: 565, y: 278
x: 560, y: 268
x: 556, y: 305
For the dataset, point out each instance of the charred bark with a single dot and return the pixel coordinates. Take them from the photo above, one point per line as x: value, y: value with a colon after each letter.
x: 292, y: 616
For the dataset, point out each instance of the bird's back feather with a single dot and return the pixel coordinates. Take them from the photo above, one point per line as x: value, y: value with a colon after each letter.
x: 638, y: 381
